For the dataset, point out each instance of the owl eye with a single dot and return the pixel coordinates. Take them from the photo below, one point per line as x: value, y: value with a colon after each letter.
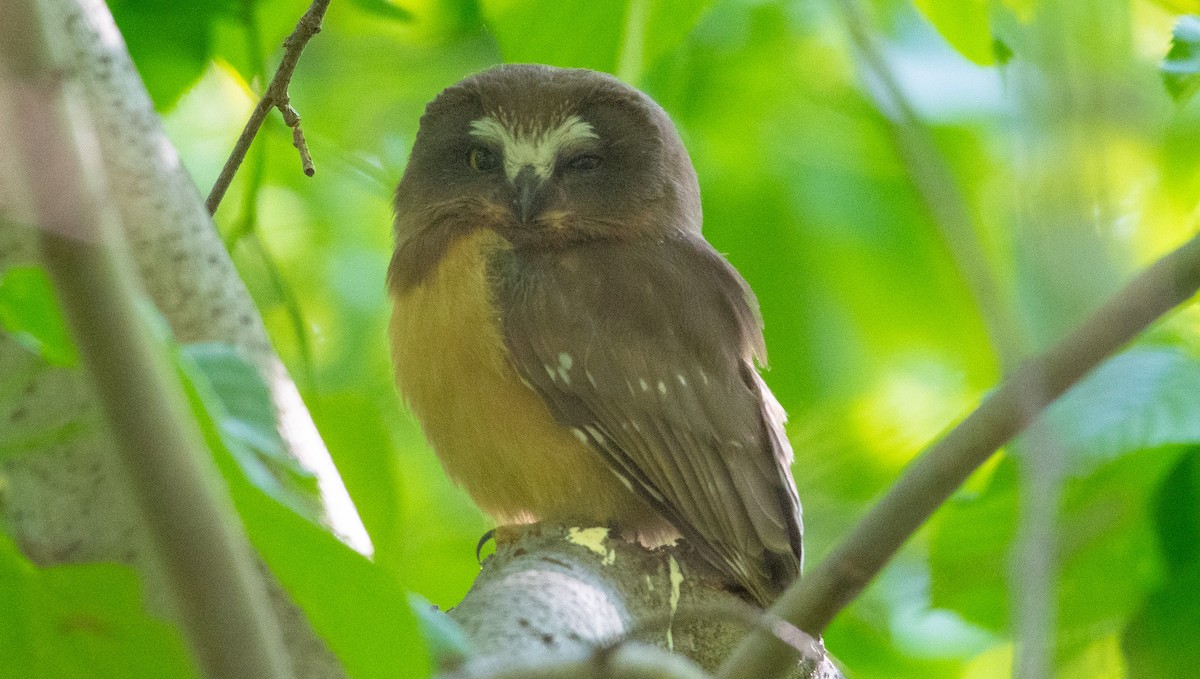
x: 483, y: 160
x: 586, y: 161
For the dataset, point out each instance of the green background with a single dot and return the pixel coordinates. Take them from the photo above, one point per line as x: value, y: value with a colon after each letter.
x: 1073, y: 165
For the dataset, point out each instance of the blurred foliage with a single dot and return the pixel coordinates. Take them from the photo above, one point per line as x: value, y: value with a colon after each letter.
x: 1075, y: 166
x: 81, y: 621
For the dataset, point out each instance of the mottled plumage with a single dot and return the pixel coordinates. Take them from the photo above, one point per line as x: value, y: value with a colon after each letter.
x: 573, y: 348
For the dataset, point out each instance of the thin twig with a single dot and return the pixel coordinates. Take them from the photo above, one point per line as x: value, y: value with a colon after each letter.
x: 276, y: 96
x: 812, y: 602
x: 216, y: 588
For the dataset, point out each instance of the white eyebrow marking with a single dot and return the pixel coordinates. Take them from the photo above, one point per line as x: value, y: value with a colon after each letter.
x: 536, y: 148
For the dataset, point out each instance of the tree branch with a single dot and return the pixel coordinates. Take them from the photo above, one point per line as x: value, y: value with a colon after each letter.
x: 628, y: 662
x: 217, y: 590
x: 551, y: 594
x: 276, y: 96
x: 811, y: 603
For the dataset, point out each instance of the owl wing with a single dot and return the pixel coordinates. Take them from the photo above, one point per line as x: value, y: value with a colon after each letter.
x: 646, y: 349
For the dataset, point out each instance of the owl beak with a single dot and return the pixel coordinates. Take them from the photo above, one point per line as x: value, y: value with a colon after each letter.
x: 527, y: 184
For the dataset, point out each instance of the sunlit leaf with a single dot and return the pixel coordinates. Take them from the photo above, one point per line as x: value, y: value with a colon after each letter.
x: 355, y: 605
x: 1145, y: 397
x: 30, y: 313
x: 66, y: 622
x: 964, y: 24
x: 240, y: 402
x: 1181, y: 66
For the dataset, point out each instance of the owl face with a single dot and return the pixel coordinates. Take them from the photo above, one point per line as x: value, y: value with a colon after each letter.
x: 547, y: 157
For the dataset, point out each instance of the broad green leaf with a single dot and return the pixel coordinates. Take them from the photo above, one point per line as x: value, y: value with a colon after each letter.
x: 1120, y: 429
x: 447, y: 642
x: 170, y: 42
x: 240, y: 402
x: 354, y: 605
x: 1107, y: 562
x: 66, y: 622
x: 1145, y: 397
x: 617, y: 37
x: 1181, y: 66
x: 964, y: 24
x: 1163, y: 638
x: 30, y: 313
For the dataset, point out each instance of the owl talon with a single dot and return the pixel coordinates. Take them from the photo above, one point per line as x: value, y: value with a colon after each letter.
x: 483, y: 540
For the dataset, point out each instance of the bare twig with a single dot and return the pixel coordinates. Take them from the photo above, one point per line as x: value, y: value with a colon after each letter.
x: 811, y: 603
x: 217, y: 590
x: 276, y: 96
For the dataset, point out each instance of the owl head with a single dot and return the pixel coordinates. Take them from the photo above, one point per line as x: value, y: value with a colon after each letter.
x: 547, y: 157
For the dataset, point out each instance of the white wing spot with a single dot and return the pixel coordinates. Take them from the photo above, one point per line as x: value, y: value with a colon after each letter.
x: 595, y: 434
x: 644, y: 384
x: 704, y: 377
x: 552, y: 373
x: 682, y: 380
x: 564, y: 366
x: 662, y: 387
x: 579, y: 435
x: 591, y: 380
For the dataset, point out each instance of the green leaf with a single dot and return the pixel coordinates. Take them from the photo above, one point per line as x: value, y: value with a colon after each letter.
x: 356, y: 606
x: 619, y: 37
x: 1181, y: 67
x: 447, y: 642
x: 1120, y: 430
x: 1107, y: 561
x: 29, y: 311
x: 1145, y: 397
x: 170, y: 42
x: 65, y: 622
x: 236, y: 397
x: 1163, y: 638
x: 964, y: 24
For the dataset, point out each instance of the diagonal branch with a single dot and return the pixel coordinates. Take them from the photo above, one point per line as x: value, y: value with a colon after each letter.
x: 217, y: 591
x: 812, y: 603
x: 276, y: 96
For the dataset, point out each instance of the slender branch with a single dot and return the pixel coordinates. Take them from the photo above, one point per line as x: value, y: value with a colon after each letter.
x: 812, y: 602
x: 937, y: 189
x: 276, y: 96
x: 217, y: 590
